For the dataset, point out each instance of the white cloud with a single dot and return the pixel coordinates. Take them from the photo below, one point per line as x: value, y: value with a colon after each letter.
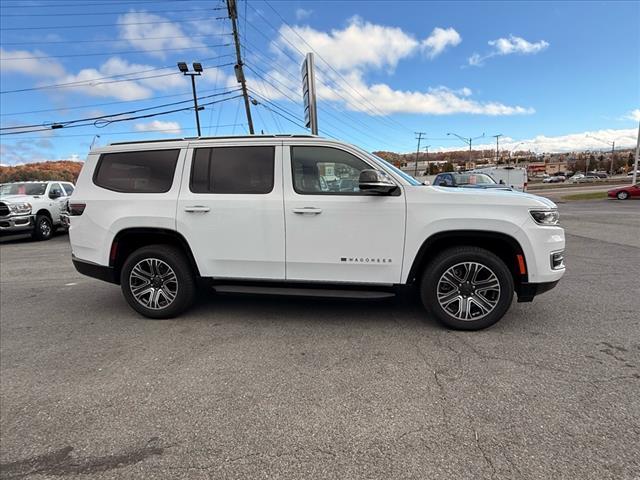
x: 439, y: 40
x: 360, y: 47
x: 158, y: 126
x: 508, y: 46
x: 573, y: 142
x: 360, y: 44
x: 120, y: 87
x: 633, y: 115
x: 134, y: 28
x: 303, y: 13
x: 39, y: 67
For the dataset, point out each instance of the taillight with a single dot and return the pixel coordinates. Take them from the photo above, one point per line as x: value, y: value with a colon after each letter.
x: 524, y: 188
x: 76, y: 209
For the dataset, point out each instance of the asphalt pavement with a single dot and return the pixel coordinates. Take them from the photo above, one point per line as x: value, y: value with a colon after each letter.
x: 275, y: 387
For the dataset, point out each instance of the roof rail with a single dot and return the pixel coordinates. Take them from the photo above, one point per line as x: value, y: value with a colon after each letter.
x: 287, y: 135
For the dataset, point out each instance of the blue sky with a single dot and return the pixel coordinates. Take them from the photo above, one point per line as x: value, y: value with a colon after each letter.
x: 545, y: 75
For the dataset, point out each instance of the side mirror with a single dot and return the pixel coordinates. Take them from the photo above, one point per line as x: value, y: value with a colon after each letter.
x: 375, y: 182
x: 55, y: 194
x: 426, y: 182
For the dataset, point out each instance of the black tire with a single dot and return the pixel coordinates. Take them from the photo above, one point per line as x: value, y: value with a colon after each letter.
x: 454, y: 258
x: 622, y: 195
x: 184, y: 285
x: 43, y: 228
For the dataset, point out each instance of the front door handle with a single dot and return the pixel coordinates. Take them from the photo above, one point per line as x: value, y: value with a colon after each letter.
x: 307, y: 210
x: 197, y: 208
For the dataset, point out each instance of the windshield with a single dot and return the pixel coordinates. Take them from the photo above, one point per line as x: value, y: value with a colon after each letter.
x: 396, y: 170
x: 23, y: 188
x: 474, y: 179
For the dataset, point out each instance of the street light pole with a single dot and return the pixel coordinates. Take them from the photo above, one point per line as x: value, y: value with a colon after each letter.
x: 197, y: 71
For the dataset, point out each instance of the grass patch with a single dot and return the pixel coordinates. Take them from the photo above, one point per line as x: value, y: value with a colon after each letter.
x: 586, y: 196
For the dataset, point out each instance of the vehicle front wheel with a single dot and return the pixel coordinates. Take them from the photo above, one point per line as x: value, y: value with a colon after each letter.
x: 43, y: 229
x: 467, y: 288
x: 158, y: 282
x: 622, y: 195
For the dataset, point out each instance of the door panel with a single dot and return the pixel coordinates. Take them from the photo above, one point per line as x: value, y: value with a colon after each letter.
x: 335, y: 233
x: 233, y: 235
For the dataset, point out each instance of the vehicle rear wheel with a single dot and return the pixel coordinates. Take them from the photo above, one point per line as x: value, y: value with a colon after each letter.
x: 158, y: 282
x: 43, y: 229
x: 467, y: 288
x: 622, y: 195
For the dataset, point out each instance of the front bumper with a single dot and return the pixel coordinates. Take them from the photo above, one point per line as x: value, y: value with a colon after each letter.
x: 527, y: 291
x: 16, y: 224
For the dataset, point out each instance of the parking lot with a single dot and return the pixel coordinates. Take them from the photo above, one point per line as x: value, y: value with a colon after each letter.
x: 276, y: 387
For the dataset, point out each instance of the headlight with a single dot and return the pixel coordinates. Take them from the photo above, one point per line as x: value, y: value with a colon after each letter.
x: 20, y: 207
x: 545, y: 217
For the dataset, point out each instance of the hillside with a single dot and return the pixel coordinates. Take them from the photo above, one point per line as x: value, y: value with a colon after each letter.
x: 62, y: 170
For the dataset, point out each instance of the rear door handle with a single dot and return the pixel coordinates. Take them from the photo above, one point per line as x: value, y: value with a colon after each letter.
x: 307, y: 210
x: 197, y: 208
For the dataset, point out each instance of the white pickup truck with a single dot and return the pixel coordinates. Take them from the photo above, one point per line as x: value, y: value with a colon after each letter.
x: 35, y: 207
x: 303, y: 215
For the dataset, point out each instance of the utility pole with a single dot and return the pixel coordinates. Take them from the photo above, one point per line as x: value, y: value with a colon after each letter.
x: 426, y: 149
x: 613, y: 148
x: 468, y: 141
x: 233, y: 15
x: 419, y: 136
x: 497, y: 137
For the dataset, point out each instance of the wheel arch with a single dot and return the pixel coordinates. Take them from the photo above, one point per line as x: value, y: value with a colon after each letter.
x: 128, y: 240
x: 506, y: 247
x: 45, y: 212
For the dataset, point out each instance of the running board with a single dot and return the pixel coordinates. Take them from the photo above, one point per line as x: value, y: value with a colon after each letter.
x: 303, y: 292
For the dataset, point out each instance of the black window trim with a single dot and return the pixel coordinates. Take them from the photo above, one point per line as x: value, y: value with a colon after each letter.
x: 345, y: 194
x: 173, y: 175
x: 211, y: 148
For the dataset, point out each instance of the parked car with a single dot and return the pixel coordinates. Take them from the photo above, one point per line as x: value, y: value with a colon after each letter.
x: 34, y: 207
x: 468, y: 180
x: 554, y: 179
x: 623, y: 193
x: 630, y: 174
x: 248, y: 214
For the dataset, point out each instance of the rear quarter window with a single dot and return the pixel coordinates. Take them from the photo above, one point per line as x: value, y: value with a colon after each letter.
x: 146, y: 171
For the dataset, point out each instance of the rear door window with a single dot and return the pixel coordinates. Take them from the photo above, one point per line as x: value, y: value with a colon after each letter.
x: 147, y: 171
x: 233, y: 170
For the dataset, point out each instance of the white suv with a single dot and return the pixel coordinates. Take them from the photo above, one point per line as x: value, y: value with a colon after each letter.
x: 303, y: 215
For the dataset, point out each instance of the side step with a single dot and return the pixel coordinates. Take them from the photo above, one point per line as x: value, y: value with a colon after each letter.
x: 304, y: 292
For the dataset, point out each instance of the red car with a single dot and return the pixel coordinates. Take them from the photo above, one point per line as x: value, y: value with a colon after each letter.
x: 622, y: 193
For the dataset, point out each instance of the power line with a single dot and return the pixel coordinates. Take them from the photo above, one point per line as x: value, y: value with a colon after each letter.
x: 97, y: 54
x: 75, y: 14
x: 57, y: 5
x: 78, y: 107
x: 390, y: 121
x: 120, y: 40
x: 128, y: 132
x: 103, y: 123
x: 344, y: 80
x: 102, y: 117
x: 89, y: 82
x: 186, y: 20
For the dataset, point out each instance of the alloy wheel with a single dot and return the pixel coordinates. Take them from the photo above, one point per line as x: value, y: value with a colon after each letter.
x: 468, y: 291
x: 153, y: 283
